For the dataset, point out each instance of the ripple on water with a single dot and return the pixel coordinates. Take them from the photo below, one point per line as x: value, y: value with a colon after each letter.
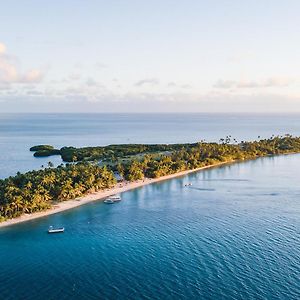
x: 168, y: 242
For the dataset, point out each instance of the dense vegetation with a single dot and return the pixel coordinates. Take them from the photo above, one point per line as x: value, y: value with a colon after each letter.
x: 44, y: 150
x: 42, y: 153
x: 106, y: 153
x: 38, y: 190
x: 41, y: 148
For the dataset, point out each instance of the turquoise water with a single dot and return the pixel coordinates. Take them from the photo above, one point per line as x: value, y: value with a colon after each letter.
x: 234, y: 234
x: 18, y: 132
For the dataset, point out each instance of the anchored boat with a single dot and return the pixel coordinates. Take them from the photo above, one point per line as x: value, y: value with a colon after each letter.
x: 112, y: 199
x: 51, y: 229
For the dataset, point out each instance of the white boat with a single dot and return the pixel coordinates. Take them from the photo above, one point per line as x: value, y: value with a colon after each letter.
x: 115, y: 197
x: 188, y: 184
x: 51, y: 229
x: 112, y: 199
x: 109, y: 201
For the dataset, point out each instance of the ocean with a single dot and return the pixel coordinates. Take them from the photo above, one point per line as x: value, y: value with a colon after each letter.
x: 233, y: 234
x: 18, y: 132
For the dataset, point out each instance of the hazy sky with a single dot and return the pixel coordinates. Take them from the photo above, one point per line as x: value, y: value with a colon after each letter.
x: 149, y: 55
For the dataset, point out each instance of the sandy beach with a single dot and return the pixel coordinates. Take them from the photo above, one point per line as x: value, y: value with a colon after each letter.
x: 101, y: 195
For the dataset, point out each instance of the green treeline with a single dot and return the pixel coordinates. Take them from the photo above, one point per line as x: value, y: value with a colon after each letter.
x: 41, y: 148
x: 38, y: 190
x: 106, y: 153
x: 205, y: 154
x: 44, y: 150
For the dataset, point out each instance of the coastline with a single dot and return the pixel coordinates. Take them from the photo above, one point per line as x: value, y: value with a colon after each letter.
x: 101, y: 195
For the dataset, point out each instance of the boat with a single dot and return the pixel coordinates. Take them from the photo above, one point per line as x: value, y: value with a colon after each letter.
x: 115, y: 197
x: 109, y: 201
x: 112, y: 199
x: 51, y: 229
x: 188, y: 184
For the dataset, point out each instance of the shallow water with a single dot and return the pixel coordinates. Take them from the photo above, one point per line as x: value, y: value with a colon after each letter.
x: 234, y: 234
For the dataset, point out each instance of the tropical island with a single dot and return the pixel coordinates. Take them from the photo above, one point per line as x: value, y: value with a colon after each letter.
x: 92, y: 173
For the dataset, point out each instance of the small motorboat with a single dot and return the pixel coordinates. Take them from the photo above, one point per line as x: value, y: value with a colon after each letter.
x: 112, y: 199
x: 115, y: 197
x: 51, y: 229
x: 188, y: 184
x: 109, y: 201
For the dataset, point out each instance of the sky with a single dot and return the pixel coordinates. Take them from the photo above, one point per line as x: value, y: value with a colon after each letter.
x: 150, y: 56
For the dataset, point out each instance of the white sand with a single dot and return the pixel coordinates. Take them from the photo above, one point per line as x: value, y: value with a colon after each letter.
x: 119, y: 188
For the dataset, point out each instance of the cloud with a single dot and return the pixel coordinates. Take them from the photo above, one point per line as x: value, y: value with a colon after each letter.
x: 79, y: 66
x: 10, y: 73
x: 78, y: 100
x: 100, y: 65
x: 225, y: 84
x: 279, y: 81
x: 147, y: 81
x: 4, y: 86
x: 32, y: 76
x: 237, y: 58
x: 2, y: 48
x: 34, y: 93
x: 173, y: 84
x: 91, y: 82
x: 74, y: 76
x: 265, y: 83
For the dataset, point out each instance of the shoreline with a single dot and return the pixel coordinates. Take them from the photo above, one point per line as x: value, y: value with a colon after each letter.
x: 120, y: 187
x: 101, y: 195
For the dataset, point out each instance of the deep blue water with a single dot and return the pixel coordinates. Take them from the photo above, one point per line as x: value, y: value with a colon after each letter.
x: 234, y: 234
x: 18, y: 132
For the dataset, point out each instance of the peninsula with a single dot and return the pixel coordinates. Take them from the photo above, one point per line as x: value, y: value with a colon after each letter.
x: 97, y: 172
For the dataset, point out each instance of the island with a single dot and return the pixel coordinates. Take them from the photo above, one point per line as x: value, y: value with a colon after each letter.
x: 93, y: 173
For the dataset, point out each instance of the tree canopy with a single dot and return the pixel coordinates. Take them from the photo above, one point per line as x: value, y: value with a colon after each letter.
x: 38, y: 190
